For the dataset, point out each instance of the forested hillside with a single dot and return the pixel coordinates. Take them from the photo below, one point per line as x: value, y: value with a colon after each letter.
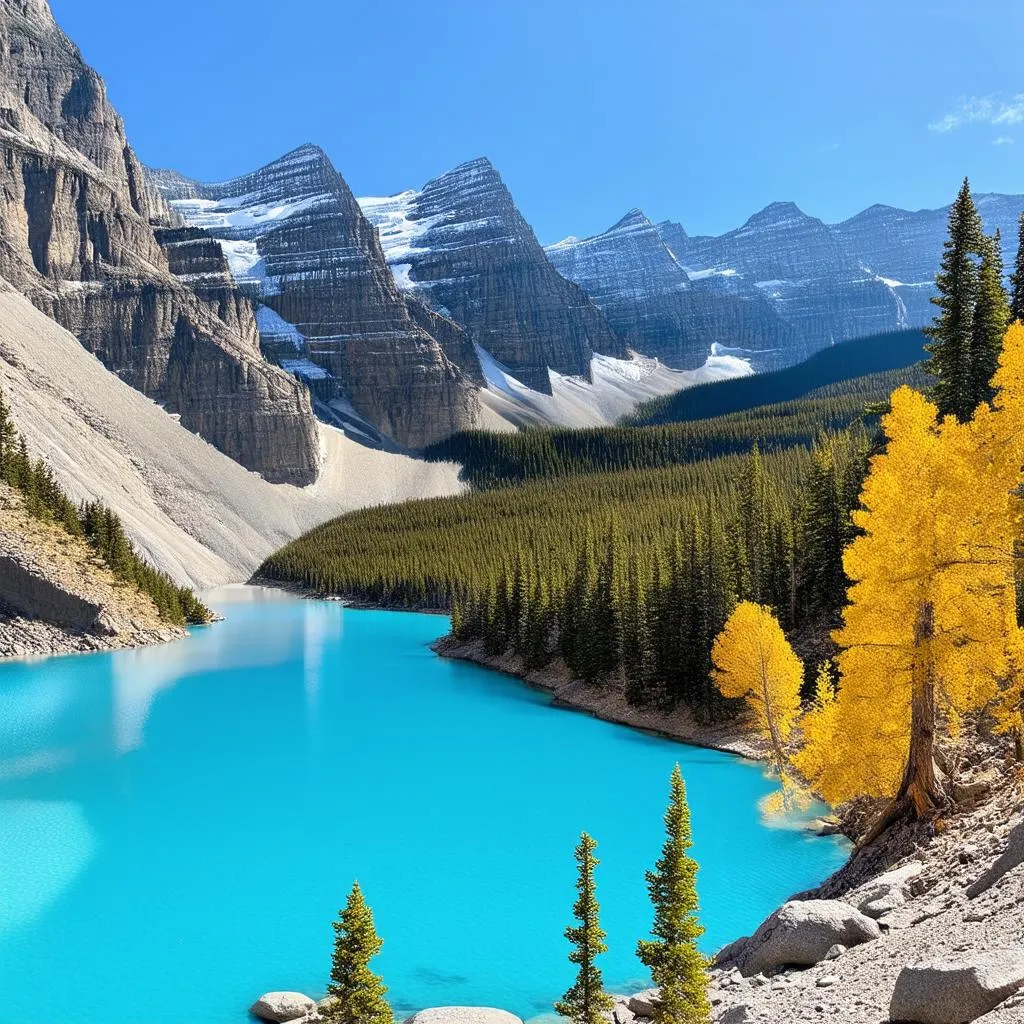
x: 878, y: 353
x: 496, y: 459
x: 99, y: 526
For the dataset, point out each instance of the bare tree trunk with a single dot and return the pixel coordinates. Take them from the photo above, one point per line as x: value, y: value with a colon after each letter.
x: 920, y: 794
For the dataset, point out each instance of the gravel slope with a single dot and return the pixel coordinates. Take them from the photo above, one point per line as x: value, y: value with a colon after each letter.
x: 190, y: 509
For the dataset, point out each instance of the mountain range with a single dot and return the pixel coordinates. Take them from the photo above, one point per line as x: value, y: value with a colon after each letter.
x: 260, y: 312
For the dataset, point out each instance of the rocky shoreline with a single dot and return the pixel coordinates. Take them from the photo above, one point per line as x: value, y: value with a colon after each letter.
x: 608, y: 704
x: 58, y: 597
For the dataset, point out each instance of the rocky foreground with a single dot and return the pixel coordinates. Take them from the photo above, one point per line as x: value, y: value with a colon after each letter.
x: 58, y: 597
x: 925, y: 926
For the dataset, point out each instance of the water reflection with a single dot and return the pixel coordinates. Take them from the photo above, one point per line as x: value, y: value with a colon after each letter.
x: 46, y: 846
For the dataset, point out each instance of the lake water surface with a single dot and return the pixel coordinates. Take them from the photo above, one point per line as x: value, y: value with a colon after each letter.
x: 179, y: 825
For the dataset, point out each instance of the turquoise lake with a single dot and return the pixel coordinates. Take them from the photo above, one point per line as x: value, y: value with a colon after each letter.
x: 179, y: 825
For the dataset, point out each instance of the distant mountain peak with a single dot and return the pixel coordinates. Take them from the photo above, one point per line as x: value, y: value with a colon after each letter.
x: 636, y: 218
x: 777, y: 213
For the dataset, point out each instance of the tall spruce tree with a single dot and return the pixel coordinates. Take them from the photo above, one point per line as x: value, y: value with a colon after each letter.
x: 356, y: 994
x: 991, y: 318
x: 952, y: 332
x: 586, y: 1002
x: 1017, y: 278
x: 679, y: 969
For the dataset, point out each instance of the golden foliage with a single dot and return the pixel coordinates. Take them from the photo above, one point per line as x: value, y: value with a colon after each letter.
x: 933, y: 595
x: 753, y: 660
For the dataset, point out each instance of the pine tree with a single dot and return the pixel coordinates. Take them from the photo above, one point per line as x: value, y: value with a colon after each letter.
x: 991, y: 317
x: 952, y: 331
x: 356, y: 993
x: 754, y: 661
x: 1017, y: 278
x: 586, y: 1002
x: 678, y: 968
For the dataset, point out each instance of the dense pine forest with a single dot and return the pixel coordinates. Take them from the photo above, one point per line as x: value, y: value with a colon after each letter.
x: 859, y: 544
x: 101, y: 527
x: 497, y: 459
x: 836, y: 364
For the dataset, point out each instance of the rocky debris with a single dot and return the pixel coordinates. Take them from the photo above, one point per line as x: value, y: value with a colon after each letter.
x: 280, y: 1007
x: 57, y: 596
x: 956, y: 991
x: 800, y: 933
x: 1012, y: 857
x: 886, y: 892
x: 938, y: 924
x: 295, y: 241
x: 77, y: 239
x: 642, y: 1004
x: 463, y: 1015
x: 463, y: 247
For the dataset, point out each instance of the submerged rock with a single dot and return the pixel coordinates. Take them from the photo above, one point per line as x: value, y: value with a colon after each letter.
x: 956, y: 991
x: 279, y: 1007
x: 463, y: 1015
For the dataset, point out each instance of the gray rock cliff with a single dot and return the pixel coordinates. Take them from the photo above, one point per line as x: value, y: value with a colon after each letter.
x: 76, y: 237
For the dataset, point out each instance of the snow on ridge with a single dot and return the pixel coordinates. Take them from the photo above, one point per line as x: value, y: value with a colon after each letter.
x: 701, y: 275
x: 304, y: 368
x: 273, y: 327
x: 618, y: 386
x: 399, y: 230
x: 242, y: 214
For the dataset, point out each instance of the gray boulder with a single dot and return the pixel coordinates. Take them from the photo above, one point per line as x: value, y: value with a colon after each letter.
x: 886, y: 892
x: 279, y: 1007
x: 1012, y: 857
x: 463, y: 1015
x: 642, y: 1004
x: 956, y: 991
x: 802, y: 932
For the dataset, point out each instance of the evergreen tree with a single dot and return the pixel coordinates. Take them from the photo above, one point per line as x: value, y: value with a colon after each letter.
x: 356, y: 993
x: 991, y: 317
x: 679, y: 969
x: 953, y: 330
x: 1017, y: 278
x: 586, y: 1002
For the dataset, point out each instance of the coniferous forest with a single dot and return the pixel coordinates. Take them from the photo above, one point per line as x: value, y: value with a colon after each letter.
x: 46, y: 500
x: 621, y: 554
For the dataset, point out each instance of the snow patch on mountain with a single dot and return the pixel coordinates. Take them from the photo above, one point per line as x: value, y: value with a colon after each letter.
x: 618, y: 387
x: 274, y: 328
x: 400, y: 230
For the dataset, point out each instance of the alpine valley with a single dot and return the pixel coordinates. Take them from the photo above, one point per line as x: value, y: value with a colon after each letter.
x: 714, y: 491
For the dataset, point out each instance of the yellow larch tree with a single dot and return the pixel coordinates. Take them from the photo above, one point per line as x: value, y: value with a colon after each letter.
x: 930, y: 630
x: 753, y: 660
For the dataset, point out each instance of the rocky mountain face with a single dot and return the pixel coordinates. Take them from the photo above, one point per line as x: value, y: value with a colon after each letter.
x: 781, y: 287
x: 654, y: 307
x: 328, y: 308
x: 77, y: 238
x: 461, y: 245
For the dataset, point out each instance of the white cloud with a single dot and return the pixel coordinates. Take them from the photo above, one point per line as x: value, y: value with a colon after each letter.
x: 993, y: 110
x: 1003, y: 140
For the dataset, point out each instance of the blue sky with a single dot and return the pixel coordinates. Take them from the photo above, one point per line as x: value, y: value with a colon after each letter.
x: 702, y: 112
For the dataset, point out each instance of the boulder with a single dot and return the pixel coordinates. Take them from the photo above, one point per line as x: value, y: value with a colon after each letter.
x: 802, y: 932
x: 886, y: 891
x: 278, y: 1007
x: 642, y: 1004
x: 463, y: 1015
x: 956, y: 991
x: 1011, y: 857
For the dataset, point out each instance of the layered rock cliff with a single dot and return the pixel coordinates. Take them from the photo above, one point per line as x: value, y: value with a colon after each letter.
x: 76, y: 237
x: 653, y: 306
x: 461, y: 245
x: 328, y: 308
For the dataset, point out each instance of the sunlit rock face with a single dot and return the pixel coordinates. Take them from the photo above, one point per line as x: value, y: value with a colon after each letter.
x: 77, y: 237
x: 780, y: 287
x: 328, y: 307
x: 461, y: 244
